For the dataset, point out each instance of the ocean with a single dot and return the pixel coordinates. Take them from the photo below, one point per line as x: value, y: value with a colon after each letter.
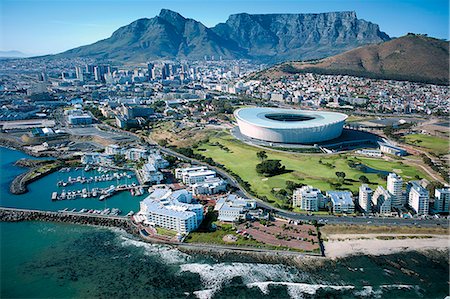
x: 43, y: 260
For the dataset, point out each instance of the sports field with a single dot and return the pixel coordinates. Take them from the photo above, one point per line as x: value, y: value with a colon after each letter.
x: 305, y: 168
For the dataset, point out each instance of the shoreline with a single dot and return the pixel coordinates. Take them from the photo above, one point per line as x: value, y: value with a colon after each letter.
x: 346, y: 245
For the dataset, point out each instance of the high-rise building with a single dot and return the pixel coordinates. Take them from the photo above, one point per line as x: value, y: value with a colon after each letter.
x: 365, y: 198
x: 165, y: 71
x: 151, y: 71
x: 418, y: 198
x: 307, y: 198
x: 441, y: 200
x: 381, y: 201
x: 394, y: 186
x: 79, y: 73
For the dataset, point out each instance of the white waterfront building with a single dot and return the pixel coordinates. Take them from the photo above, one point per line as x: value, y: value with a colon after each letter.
x: 342, y: 201
x: 209, y: 186
x: 172, y: 210
x: 307, y: 198
x: 365, y: 198
x: 418, y: 198
x: 233, y: 208
x: 193, y: 175
x: 441, y: 199
x: 395, y: 187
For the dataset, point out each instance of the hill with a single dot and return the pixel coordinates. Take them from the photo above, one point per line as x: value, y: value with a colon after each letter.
x: 412, y: 57
x: 266, y: 37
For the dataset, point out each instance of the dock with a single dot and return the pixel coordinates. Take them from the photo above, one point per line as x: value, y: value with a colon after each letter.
x: 101, y: 193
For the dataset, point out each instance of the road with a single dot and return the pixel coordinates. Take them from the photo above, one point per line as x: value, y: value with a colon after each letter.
x: 331, y: 219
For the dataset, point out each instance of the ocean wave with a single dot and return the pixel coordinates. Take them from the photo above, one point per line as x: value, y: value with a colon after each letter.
x: 297, y: 289
x: 214, y: 276
x: 204, y: 294
x: 168, y: 254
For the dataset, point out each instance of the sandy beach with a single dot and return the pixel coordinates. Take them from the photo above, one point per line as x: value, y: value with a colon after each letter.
x: 341, y: 245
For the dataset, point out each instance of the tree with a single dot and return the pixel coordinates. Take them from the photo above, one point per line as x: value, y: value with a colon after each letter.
x: 270, y: 167
x: 262, y: 155
x: 340, y: 175
x: 363, y: 179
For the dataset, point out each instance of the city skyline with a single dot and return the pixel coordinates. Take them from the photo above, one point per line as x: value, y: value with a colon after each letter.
x: 59, y: 26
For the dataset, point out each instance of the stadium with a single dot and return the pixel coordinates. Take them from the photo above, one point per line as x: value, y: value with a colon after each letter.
x: 289, y: 125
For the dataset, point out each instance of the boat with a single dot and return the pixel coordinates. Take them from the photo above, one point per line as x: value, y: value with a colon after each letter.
x: 54, y: 195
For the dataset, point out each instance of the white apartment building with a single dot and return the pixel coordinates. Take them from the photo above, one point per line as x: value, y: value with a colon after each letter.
x: 381, y: 201
x: 395, y: 187
x: 157, y: 160
x: 418, y: 198
x: 209, y: 186
x: 365, y: 198
x: 193, y: 175
x: 342, y: 201
x: 136, y: 154
x: 441, y: 199
x: 149, y: 174
x: 169, y: 209
x: 233, y: 208
x: 308, y: 198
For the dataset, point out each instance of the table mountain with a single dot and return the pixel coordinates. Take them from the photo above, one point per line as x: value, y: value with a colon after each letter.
x: 412, y: 57
x: 266, y: 37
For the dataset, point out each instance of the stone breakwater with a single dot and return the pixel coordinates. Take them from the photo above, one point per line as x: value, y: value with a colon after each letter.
x: 15, y: 215
x: 20, y: 182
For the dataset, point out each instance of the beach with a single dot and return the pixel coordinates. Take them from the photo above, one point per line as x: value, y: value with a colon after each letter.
x: 343, y: 245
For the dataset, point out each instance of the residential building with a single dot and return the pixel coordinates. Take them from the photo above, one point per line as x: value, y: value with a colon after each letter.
x: 395, y: 187
x: 342, y: 201
x: 381, y: 201
x: 157, y: 160
x: 172, y: 210
x: 149, y: 174
x: 441, y: 199
x: 136, y: 154
x: 233, y: 208
x: 193, y: 175
x: 209, y: 186
x: 418, y: 198
x: 365, y: 198
x: 308, y: 198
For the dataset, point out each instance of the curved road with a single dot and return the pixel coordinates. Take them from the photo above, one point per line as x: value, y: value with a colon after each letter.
x: 328, y: 219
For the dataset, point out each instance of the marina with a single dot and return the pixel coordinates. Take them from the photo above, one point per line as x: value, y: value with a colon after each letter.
x: 101, y: 193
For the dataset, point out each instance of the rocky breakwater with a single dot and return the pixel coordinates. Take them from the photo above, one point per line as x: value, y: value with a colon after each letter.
x: 38, y: 169
x: 15, y: 215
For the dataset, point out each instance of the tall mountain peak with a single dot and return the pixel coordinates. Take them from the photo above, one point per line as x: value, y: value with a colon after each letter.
x: 263, y: 37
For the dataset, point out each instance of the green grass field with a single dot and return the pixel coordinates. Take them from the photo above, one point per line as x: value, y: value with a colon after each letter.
x: 241, y: 159
x: 436, y: 144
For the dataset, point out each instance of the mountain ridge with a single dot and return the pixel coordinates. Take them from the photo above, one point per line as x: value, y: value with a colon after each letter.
x: 264, y: 37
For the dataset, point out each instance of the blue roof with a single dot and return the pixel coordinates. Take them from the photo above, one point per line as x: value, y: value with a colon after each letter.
x: 257, y: 116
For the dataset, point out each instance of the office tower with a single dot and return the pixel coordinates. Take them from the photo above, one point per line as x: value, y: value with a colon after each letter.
x: 79, y: 73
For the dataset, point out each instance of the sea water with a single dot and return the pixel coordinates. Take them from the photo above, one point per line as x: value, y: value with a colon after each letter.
x: 42, y: 260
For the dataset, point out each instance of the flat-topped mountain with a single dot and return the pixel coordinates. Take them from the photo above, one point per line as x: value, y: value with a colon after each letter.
x: 266, y: 37
x: 411, y: 57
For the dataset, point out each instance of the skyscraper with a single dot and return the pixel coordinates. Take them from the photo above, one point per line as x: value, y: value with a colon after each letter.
x: 79, y: 73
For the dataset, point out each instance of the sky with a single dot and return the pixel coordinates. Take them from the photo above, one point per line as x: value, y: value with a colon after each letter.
x: 52, y: 26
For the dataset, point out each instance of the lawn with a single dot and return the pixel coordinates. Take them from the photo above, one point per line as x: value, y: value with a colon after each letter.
x: 305, y: 168
x: 436, y: 144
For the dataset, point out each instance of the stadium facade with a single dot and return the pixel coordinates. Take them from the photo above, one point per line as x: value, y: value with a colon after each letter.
x: 289, y: 125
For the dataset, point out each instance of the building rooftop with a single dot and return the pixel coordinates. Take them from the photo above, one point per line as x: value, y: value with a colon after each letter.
x: 341, y: 197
